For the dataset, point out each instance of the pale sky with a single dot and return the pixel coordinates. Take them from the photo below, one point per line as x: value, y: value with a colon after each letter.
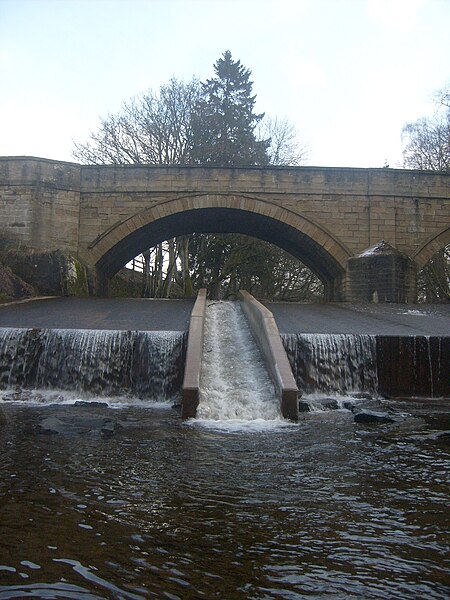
x: 347, y: 73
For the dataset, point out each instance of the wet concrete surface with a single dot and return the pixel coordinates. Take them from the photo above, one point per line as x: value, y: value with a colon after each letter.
x: 173, y: 315
x: 141, y: 314
x: 370, y: 319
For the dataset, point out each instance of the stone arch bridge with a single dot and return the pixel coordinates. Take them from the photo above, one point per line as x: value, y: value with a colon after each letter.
x: 364, y: 232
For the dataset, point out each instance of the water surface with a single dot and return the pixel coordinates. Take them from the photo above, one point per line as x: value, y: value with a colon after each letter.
x: 163, y: 509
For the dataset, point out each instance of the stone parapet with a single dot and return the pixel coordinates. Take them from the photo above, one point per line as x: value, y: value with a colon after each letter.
x: 39, y: 204
x: 26, y: 170
x: 297, y: 180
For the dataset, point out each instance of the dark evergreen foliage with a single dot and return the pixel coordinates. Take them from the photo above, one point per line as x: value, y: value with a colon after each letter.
x: 224, y: 121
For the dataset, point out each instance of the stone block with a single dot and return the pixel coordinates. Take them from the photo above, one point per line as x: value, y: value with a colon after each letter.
x: 381, y: 274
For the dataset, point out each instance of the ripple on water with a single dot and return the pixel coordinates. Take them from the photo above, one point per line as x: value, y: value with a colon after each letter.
x: 322, y: 508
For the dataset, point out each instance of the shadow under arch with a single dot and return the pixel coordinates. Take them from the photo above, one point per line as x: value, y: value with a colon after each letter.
x: 226, y: 220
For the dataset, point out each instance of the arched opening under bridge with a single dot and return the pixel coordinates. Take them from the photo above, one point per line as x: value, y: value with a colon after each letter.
x: 228, y: 220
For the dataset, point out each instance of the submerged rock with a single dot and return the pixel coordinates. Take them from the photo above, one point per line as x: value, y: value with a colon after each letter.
x: 110, y: 428
x: 304, y: 406
x: 52, y: 425
x: 330, y: 404
x: 443, y: 437
x: 434, y: 436
x: 96, y: 426
x: 372, y: 416
x: 91, y: 404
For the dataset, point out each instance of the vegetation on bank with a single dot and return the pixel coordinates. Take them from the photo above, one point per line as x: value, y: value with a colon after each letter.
x: 25, y: 274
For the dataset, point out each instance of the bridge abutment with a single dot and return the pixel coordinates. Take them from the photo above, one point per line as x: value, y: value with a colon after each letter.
x: 381, y: 274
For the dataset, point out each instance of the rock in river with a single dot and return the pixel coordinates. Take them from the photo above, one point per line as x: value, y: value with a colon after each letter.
x: 372, y: 416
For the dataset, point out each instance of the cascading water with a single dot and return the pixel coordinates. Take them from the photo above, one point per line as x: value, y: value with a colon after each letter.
x: 333, y: 364
x: 234, y: 382
x: 144, y: 364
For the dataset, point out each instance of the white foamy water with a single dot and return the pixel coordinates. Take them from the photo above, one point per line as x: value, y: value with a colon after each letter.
x: 236, y: 391
x: 47, y: 397
x: 333, y: 363
x: 145, y: 364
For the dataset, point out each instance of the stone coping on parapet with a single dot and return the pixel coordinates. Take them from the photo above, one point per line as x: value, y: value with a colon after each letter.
x: 291, y: 168
x: 206, y: 179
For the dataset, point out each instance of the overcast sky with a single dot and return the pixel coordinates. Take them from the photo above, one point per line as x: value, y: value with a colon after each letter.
x: 347, y: 73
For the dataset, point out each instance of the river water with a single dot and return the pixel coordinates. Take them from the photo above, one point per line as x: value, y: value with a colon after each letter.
x: 326, y: 508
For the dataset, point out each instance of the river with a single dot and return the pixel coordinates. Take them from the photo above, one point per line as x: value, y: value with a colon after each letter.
x: 326, y: 508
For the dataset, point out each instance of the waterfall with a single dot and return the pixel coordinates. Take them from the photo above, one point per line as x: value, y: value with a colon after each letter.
x: 325, y: 363
x: 413, y: 366
x: 234, y: 383
x: 144, y: 364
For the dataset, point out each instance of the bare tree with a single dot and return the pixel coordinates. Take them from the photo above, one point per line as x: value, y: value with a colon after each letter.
x: 151, y: 129
x: 433, y: 280
x: 284, y: 148
x: 442, y: 96
x: 428, y: 144
x: 155, y: 128
x: 428, y: 147
x: 427, y: 140
x: 166, y: 128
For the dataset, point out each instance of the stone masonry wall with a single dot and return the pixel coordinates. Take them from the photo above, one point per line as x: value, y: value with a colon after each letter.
x: 50, y: 205
x: 359, y: 207
x: 39, y: 204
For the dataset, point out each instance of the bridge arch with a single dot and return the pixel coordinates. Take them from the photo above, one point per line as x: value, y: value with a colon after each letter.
x: 316, y: 247
x: 431, y: 247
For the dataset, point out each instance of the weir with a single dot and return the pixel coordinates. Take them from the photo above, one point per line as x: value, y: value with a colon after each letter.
x: 220, y: 371
x: 333, y: 363
x: 377, y: 365
x: 145, y: 364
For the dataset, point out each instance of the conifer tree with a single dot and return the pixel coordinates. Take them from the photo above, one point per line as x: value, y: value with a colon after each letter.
x: 224, y: 121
